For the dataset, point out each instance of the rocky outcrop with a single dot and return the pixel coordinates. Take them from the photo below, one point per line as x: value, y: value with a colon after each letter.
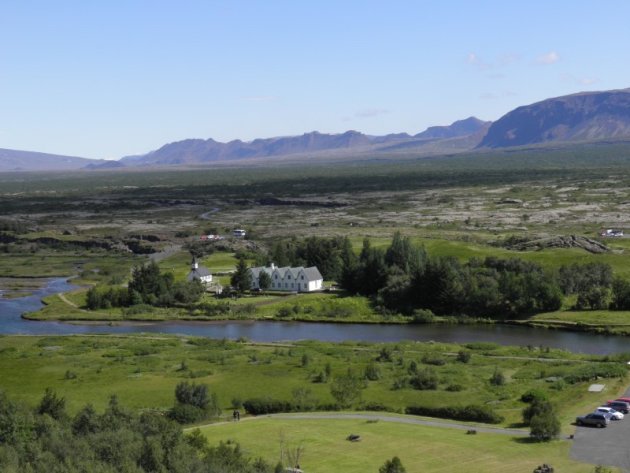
x: 570, y: 241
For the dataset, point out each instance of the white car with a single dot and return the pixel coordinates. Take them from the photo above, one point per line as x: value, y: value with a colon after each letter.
x: 609, y: 410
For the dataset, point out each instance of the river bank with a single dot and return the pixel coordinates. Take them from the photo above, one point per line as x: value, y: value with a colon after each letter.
x: 12, y: 322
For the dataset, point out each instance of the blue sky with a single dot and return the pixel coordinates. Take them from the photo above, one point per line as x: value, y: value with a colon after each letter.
x: 104, y: 79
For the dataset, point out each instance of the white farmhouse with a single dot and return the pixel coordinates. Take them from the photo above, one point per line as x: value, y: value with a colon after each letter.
x: 199, y: 272
x: 289, y: 279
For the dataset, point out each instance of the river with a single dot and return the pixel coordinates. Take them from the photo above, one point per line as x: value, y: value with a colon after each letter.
x: 266, y: 331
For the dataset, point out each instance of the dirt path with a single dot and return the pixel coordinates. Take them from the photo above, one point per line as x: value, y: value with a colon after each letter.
x: 63, y: 297
x: 383, y: 418
x: 206, y: 215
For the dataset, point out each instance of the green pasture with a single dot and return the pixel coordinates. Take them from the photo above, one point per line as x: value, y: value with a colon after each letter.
x: 143, y: 371
x: 420, y: 448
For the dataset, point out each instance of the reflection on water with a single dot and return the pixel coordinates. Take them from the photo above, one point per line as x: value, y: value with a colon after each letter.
x: 261, y: 331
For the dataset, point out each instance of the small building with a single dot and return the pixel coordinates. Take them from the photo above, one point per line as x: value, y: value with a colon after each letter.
x: 239, y: 232
x: 289, y: 279
x: 199, y: 272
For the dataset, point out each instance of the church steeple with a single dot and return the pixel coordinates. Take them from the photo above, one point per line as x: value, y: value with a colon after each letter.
x: 193, y: 264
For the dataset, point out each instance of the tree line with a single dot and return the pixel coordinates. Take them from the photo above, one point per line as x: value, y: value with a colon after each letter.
x: 48, y: 439
x: 404, y: 278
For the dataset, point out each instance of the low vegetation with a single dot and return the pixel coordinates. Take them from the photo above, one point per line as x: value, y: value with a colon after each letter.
x: 144, y: 372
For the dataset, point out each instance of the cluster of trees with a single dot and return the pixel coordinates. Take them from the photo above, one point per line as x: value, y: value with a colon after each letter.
x: 147, y: 286
x: 594, y: 286
x: 330, y: 255
x: 48, y: 439
x: 405, y: 278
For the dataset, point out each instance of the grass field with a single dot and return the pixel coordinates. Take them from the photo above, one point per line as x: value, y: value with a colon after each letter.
x: 421, y: 449
x: 144, y: 370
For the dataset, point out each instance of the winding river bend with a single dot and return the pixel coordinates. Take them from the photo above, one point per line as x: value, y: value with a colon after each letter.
x: 261, y: 331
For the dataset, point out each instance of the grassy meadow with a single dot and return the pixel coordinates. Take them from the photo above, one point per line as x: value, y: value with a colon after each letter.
x: 420, y: 448
x: 143, y: 371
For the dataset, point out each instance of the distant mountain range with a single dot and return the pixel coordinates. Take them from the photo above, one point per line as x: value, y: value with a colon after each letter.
x: 12, y: 160
x: 189, y: 152
x: 587, y: 116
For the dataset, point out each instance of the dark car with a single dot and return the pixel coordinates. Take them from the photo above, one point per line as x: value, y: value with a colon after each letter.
x: 620, y: 406
x: 594, y: 418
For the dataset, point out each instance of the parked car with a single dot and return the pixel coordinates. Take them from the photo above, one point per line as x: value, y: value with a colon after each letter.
x: 621, y: 406
x: 594, y: 418
x: 614, y: 415
x: 624, y: 399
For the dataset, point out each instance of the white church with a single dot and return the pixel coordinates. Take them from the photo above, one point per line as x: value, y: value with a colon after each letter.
x: 297, y: 279
x: 199, y: 272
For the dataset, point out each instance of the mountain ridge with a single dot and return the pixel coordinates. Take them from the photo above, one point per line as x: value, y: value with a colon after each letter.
x: 583, y: 116
x: 198, y: 151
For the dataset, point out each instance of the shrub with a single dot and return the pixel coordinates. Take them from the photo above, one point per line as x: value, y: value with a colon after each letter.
x: 392, y: 466
x: 372, y: 372
x: 534, y: 395
x: 52, y: 404
x: 424, y: 380
x: 482, y: 346
x: 473, y: 413
x: 375, y: 406
x: 423, y: 316
x: 259, y: 406
x: 594, y: 371
x: 385, y: 354
x: 186, y: 413
x: 435, y: 360
x: 497, y: 378
x: 463, y: 356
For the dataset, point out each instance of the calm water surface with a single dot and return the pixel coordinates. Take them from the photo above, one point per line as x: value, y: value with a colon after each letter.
x: 260, y: 331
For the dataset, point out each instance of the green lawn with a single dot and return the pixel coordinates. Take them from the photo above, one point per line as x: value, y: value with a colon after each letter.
x: 421, y: 449
x: 179, y: 263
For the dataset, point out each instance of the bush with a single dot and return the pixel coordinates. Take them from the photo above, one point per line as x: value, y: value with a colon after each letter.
x: 424, y: 380
x: 534, y: 395
x: 259, y: 406
x: 463, y: 356
x: 423, y: 316
x: 372, y: 372
x: 482, y: 346
x: 497, y: 378
x: 186, y: 414
x: 392, y: 466
x: 473, y: 413
x: 435, y: 360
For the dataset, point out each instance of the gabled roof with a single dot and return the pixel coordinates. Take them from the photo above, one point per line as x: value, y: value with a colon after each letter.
x: 311, y: 274
x: 198, y: 273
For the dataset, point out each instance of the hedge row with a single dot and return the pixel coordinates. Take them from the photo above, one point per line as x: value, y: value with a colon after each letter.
x: 474, y: 413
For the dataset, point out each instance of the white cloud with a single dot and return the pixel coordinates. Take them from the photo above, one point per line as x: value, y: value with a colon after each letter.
x: 551, y: 57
